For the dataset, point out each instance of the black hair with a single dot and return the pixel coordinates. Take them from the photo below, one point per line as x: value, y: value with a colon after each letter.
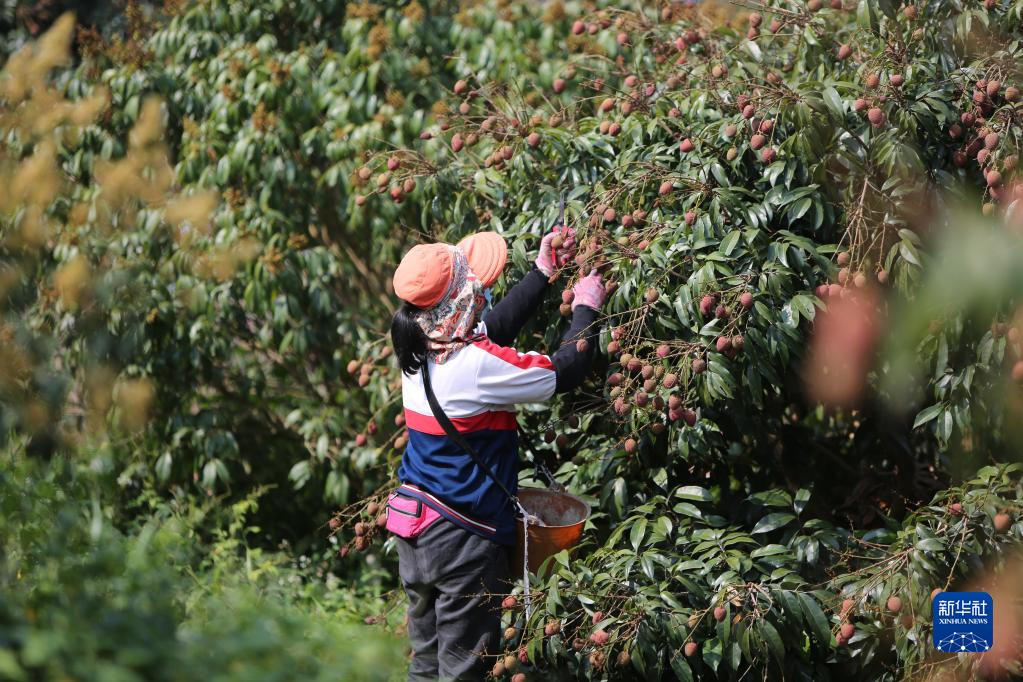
x: 408, y: 339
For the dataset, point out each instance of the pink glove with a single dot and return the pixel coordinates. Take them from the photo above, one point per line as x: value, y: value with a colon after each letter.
x: 589, y: 291
x: 551, y: 258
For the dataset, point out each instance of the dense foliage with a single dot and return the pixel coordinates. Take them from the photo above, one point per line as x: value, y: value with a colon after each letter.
x: 196, y: 256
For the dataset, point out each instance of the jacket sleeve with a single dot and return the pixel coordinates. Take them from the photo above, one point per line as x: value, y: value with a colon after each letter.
x: 571, y: 365
x: 505, y: 320
x: 505, y: 376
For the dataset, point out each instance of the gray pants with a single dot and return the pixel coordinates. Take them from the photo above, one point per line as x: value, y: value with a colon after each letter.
x: 453, y: 579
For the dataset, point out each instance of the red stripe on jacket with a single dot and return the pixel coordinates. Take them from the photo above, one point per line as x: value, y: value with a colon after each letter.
x: 495, y: 420
x: 513, y: 357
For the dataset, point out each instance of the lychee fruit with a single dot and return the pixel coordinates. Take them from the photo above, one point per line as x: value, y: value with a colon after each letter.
x: 719, y: 613
x: 876, y: 117
x: 894, y: 604
x: 691, y: 648
x: 1002, y: 522
x: 847, y: 630
x: 686, y: 146
x: 746, y: 300
x: 600, y: 637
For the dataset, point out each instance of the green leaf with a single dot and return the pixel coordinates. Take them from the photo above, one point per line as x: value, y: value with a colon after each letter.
x: 637, y: 533
x: 930, y: 545
x: 815, y: 617
x: 682, y: 670
x: 927, y: 414
x: 693, y: 492
x: 773, y: 639
x: 773, y: 522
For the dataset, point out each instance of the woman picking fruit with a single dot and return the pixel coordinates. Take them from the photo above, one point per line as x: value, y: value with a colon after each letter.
x: 455, y: 523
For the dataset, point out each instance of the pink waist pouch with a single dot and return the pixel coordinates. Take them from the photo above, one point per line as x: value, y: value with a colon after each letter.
x: 408, y: 517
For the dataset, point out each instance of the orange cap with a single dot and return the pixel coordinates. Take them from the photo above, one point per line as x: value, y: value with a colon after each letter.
x: 423, y: 275
x: 487, y: 253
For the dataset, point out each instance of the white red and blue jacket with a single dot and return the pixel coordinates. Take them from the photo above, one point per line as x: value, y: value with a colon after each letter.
x: 478, y: 388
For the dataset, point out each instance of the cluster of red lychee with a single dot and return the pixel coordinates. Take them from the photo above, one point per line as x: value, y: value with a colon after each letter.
x: 983, y: 130
x: 644, y: 381
x: 761, y: 131
x: 729, y: 345
x: 848, y: 279
x: 397, y: 181
x: 596, y: 642
x: 365, y: 371
x: 370, y: 524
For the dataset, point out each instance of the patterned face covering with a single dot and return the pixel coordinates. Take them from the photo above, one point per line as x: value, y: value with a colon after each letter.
x: 449, y: 325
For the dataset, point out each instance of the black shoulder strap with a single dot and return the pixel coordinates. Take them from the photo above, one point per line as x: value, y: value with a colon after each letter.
x: 454, y: 435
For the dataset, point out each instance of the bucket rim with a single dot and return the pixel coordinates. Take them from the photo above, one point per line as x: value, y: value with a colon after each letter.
x: 547, y: 491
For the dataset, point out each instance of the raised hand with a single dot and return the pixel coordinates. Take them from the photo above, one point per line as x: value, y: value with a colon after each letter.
x: 589, y: 291
x: 557, y: 248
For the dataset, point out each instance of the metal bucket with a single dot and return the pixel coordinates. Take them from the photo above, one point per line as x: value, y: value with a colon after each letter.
x: 563, y: 516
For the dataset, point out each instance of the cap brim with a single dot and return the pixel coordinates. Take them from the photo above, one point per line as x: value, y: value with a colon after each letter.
x: 487, y: 254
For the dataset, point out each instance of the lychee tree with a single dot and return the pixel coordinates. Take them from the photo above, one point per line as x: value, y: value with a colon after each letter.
x: 734, y: 177
x: 730, y: 187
